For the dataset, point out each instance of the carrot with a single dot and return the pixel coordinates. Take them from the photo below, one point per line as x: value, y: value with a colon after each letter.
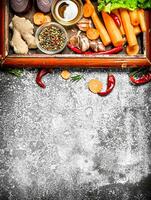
x: 87, y: 10
x: 99, y: 26
x: 92, y: 33
x: 65, y: 74
x: 47, y: 19
x: 134, y: 17
x: 112, y: 29
x: 137, y: 30
x: 39, y: 18
x: 129, y: 30
x: 141, y: 15
x: 95, y: 86
x: 132, y: 51
x: 116, y: 12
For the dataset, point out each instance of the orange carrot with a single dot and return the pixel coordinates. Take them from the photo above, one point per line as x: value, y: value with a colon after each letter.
x: 102, y: 30
x: 134, y: 17
x: 87, y: 10
x: 65, y: 74
x: 39, y: 18
x: 112, y: 29
x: 137, y: 30
x: 129, y: 30
x: 116, y: 12
x: 95, y: 86
x: 47, y: 19
x: 92, y: 33
x: 99, y: 26
x: 132, y: 51
x: 141, y: 15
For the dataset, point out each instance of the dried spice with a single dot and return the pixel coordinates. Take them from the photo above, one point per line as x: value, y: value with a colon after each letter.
x: 52, y: 38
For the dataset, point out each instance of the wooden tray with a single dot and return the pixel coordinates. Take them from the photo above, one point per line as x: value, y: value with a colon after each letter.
x: 68, y: 58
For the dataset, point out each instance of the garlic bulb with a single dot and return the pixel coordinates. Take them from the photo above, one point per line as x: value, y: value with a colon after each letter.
x: 74, y: 40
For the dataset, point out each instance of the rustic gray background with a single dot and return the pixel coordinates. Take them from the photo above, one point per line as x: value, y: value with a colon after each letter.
x: 65, y: 143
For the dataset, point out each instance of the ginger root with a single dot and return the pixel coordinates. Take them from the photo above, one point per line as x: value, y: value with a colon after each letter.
x: 23, y: 38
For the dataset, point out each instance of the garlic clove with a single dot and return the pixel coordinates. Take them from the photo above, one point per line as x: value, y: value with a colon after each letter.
x: 84, y: 24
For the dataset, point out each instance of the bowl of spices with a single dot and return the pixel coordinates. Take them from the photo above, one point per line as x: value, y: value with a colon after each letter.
x: 51, y: 38
x: 67, y: 12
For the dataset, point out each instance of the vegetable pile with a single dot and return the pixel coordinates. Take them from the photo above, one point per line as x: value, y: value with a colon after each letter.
x: 109, y: 5
x: 119, y: 27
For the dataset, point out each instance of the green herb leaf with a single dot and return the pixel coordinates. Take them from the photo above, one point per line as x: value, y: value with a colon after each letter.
x: 15, y: 72
x: 77, y: 77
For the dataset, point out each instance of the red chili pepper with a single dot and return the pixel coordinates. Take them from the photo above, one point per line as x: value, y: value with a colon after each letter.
x: 116, y: 19
x: 110, y: 51
x: 110, y: 85
x: 39, y: 76
x: 145, y: 78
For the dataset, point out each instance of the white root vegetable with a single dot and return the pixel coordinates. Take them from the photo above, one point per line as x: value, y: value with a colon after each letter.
x: 18, y: 44
x: 25, y: 28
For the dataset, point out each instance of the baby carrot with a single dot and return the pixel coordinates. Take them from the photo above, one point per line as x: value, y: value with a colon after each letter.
x: 134, y: 17
x: 132, y: 51
x: 112, y: 29
x: 141, y: 15
x: 116, y: 12
x: 129, y: 30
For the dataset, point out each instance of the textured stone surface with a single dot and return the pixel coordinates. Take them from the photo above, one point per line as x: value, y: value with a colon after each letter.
x: 65, y: 143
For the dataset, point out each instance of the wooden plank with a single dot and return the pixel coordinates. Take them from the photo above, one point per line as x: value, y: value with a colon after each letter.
x: 2, y: 29
x: 75, y: 62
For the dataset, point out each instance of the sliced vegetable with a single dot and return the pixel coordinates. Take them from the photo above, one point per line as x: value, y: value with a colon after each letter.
x: 39, y: 18
x: 47, y: 19
x: 95, y: 86
x: 129, y: 30
x: 134, y: 17
x: 112, y: 29
x: 110, y: 85
x: 141, y: 15
x: 65, y: 74
x: 87, y: 10
x: 92, y: 33
x: 132, y: 51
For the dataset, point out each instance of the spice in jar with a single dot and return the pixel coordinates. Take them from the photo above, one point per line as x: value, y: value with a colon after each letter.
x: 52, y: 38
